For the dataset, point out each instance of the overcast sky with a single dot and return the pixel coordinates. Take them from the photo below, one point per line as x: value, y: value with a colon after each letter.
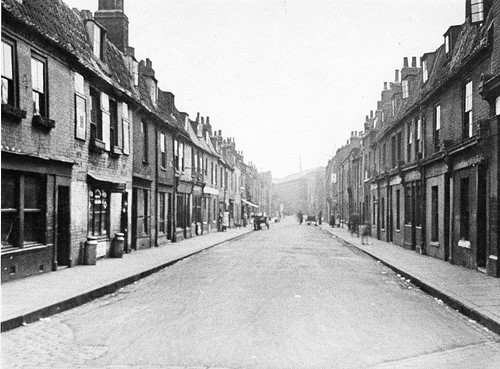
x: 288, y: 79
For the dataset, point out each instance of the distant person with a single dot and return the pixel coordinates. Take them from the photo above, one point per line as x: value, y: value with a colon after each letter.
x: 320, y: 217
x: 300, y: 216
x: 365, y: 232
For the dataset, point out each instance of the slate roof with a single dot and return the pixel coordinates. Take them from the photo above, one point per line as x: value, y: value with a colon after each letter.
x: 55, y: 21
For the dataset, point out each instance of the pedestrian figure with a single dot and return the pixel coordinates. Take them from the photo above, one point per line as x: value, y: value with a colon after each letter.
x: 219, y: 221
x: 300, y: 216
x: 354, y: 221
x: 365, y: 232
x: 320, y: 217
x: 245, y: 219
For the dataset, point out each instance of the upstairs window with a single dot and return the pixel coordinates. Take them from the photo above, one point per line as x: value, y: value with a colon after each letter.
x: 38, y: 83
x: 95, y: 115
x: 477, y: 11
x: 406, y: 89
x: 447, y: 44
x: 409, y: 142
x: 163, y: 144
x: 425, y: 72
x: 467, y: 125
x: 418, y: 134
x: 96, y: 34
x: 437, y: 126
x: 145, y: 144
x: 8, y: 76
x: 393, y: 107
x: 114, y: 133
x: 80, y: 107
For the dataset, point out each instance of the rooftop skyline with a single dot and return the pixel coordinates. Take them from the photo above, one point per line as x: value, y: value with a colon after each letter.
x: 289, y: 80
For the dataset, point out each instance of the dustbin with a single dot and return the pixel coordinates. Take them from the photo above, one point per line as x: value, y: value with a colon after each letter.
x: 117, y: 245
x: 90, y: 251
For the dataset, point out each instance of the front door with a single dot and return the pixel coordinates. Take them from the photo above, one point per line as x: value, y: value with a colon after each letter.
x: 63, y: 226
x: 124, y: 220
x: 390, y: 224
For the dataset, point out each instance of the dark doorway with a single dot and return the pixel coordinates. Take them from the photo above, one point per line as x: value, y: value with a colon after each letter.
x: 390, y: 220
x: 481, y: 218
x: 63, y: 226
x: 134, y: 218
x: 124, y: 220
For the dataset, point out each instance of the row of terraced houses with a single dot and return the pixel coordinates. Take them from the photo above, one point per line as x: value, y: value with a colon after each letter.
x: 424, y: 170
x: 91, y: 147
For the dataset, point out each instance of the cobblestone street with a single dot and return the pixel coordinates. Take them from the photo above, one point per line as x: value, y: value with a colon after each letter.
x: 288, y: 297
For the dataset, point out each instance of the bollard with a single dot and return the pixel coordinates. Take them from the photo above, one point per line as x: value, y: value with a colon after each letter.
x: 90, y: 251
x: 117, y: 245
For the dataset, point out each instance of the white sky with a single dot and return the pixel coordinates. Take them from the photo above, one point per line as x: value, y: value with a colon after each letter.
x: 286, y: 78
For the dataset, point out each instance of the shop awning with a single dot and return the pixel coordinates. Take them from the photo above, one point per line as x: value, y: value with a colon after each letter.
x: 249, y: 203
x: 112, y: 184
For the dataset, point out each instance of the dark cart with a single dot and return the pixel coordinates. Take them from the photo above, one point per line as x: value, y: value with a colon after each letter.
x: 259, y: 220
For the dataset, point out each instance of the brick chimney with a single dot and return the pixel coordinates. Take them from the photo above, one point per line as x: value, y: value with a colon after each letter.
x: 111, y: 16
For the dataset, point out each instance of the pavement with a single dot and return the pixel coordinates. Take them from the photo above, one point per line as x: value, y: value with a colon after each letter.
x: 29, y: 299
x: 473, y: 293
x: 26, y: 300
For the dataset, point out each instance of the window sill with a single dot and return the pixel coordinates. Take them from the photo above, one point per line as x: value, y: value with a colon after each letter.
x: 97, y: 145
x: 26, y: 249
x: 434, y: 243
x: 464, y: 243
x: 43, y: 122
x: 13, y: 113
x: 116, y: 151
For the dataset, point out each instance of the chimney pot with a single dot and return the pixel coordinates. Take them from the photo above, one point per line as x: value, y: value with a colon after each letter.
x: 414, y: 62
x: 396, y: 76
x: 385, y: 86
x: 371, y: 113
x: 366, y: 118
x: 202, y: 120
x: 149, y: 63
x: 197, y: 117
x: 405, y: 61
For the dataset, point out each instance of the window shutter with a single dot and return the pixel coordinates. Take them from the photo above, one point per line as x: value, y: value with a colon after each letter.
x: 106, y: 121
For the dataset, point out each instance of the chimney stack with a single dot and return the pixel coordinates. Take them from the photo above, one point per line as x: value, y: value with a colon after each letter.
x: 414, y: 62
x: 405, y: 62
x: 110, y: 15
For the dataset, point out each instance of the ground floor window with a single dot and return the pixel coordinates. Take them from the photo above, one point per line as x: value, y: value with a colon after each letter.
x: 23, y: 201
x: 398, y: 209
x: 382, y: 206
x: 98, y: 224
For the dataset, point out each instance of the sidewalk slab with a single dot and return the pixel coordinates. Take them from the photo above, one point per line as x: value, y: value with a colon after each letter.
x: 474, y: 294
x: 29, y: 299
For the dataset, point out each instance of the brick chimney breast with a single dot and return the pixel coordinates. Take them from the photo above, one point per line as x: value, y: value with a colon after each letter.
x: 111, y: 16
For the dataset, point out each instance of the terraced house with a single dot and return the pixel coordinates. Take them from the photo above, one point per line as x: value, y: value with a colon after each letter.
x: 429, y: 154
x: 93, y: 151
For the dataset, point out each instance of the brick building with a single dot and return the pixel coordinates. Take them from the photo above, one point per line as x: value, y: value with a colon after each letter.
x: 92, y: 148
x: 430, y: 152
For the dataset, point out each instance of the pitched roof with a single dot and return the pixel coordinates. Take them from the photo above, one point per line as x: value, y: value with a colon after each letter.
x: 56, y: 22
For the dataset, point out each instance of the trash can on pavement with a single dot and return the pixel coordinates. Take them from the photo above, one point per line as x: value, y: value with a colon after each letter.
x: 117, y: 245
x: 90, y: 251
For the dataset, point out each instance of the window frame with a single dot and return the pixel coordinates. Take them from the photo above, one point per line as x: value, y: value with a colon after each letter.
x: 44, y: 104
x: 19, y: 211
x: 437, y: 126
x: 104, y: 224
x: 13, y: 90
x: 468, y: 106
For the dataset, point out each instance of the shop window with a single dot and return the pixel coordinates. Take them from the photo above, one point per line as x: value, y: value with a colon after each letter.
x: 23, y: 199
x: 98, y: 212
